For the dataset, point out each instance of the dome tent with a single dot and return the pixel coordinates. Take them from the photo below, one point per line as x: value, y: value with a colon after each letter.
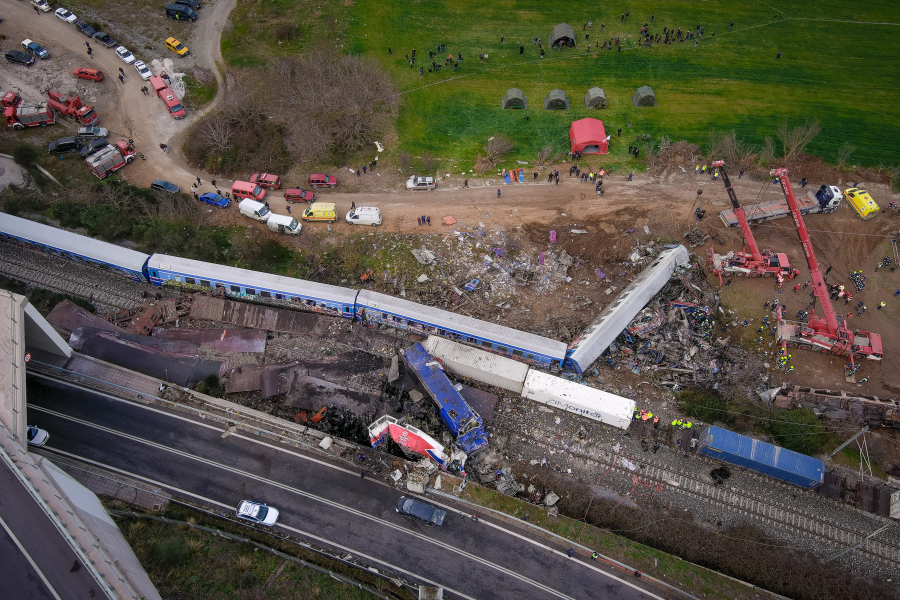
x: 563, y: 33
x: 556, y: 100
x: 644, y: 96
x: 595, y: 98
x: 588, y: 136
x: 514, y: 98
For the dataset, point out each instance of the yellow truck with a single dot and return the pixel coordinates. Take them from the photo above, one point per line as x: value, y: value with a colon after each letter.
x: 861, y: 202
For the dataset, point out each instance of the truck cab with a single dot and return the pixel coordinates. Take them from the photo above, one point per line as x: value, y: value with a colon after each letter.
x: 829, y: 197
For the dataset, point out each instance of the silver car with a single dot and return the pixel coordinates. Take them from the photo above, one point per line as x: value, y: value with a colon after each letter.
x: 255, y: 512
x: 91, y: 133
x: 143, y: 70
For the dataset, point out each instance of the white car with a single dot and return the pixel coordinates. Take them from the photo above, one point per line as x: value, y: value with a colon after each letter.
x: 37, y: 436
x: 143, y: 70
x: 125, y: 55
x: 92, y: 133
x: 65, y: 15
x: 420, y: 183
x: 257, y: 513
x: 41, y: 4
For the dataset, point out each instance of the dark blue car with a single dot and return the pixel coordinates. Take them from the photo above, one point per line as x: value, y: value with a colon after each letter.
x: 215, y: 200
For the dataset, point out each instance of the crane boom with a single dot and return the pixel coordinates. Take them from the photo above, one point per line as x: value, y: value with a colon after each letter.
x: 818, y: 280
x: 739, y: 213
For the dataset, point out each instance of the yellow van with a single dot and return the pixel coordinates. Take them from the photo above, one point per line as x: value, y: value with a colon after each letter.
x: 861, y: 202
x: 320, y: 211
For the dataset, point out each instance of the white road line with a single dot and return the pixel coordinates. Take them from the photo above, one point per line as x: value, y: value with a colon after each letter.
x: 325, y: 501
x: 282, y: 526
x: 28, y: 557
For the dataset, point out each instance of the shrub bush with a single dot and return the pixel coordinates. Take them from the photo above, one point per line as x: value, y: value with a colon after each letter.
x: 797, y: 430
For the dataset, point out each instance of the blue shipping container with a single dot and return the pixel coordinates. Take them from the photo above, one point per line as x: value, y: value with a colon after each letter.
x: 762, y: 457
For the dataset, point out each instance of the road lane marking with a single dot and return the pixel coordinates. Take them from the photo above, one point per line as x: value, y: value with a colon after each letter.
x: 28, y: 557
x: 228, y: 507
x: 310, y: 496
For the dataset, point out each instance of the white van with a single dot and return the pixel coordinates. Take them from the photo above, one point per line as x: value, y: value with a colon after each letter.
x: 364, y: 215
x: 283, y: 224
x: 255, y: 210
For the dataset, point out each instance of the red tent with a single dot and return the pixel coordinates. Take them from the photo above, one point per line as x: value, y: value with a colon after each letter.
x: 588, y: 137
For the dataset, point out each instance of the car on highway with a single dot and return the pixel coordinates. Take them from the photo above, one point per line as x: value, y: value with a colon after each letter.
x: 420, y: 511
x: 105, y: 39
x: 85, y: 28
x: 89, y: 73
x: 161, y: 185
x: 17, y: 56
x: 214, y: 199
x: 93, y: 146
x: 65, y: 15
x: 37, y: 436
x: 35, y: 49
x: 91, y: 133
x: 125, y: 55
x: 177, y: 47
x: 41, y: 4
x: 64, y: 145
x: 143, y: 70
x: 255, y: 512
x: 420, y: 183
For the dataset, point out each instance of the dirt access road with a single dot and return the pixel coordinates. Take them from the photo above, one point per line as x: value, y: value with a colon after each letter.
x: 124, y: 110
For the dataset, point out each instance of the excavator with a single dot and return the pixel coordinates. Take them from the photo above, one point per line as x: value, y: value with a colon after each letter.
x: 828, y: 333
x: 755, y: 263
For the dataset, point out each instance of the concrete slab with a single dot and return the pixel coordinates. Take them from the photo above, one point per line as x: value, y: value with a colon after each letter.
x: 81, y: 334
x: 225, y: 340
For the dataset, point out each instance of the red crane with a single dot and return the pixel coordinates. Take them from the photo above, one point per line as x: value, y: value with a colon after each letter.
x: 830, y: 333
x: 746, y: 264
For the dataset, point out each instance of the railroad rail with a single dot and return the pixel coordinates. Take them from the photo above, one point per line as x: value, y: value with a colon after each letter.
x: 54, y: 280
x: 774, y: 513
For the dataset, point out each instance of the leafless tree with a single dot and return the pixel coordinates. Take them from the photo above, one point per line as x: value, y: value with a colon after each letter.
x: 403, y: 159
x: 894, y: 174
x: 843, y: 154
x: 428, y: 162
x: 795, y: 139
x: 543, y: 154
x: 716, y: 145
x: 665, y: 144
x: 767, y: 154
x: 497, y: 147
x: 218, y: 133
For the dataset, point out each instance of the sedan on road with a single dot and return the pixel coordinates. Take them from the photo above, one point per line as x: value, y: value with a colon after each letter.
x: 85, y: 28
x: 17, y: 56
x: 37, y: 436
x: 125, y: 55
x: 257, y: 513
x: 419, y: 511
x: 215, y: 200
x: 105, y: 39
x: 161, y: 185
x: 143, y: 70
x: 65, y: 15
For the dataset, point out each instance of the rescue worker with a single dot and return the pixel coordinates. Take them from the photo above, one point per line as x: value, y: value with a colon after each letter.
x: 655, y: 422
x: 595, y: 556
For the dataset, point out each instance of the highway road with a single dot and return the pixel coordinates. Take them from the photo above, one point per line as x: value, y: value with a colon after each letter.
x: 36, y: 563
x: 321, y: 502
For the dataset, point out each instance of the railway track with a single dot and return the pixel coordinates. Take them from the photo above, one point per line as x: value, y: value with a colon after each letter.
x: 50, y: 278
x: 776, y: 514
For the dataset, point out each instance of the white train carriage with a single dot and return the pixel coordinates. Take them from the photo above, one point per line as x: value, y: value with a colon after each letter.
x: 596, y: 339
x: 252, y: 285
x: 75, y: 247
x: 372, y: 307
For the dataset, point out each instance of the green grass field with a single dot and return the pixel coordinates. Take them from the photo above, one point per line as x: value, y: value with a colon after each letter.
x: 841, y: 66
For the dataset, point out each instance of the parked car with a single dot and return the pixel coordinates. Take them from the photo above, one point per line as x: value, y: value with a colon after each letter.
x: 255, y: 512
x: 125, y: 55
x: 41, y: 4
x: 91, y: 133
x: 266, y: 180
x: 192, y: 3
x: 299, y: 195
x: 319, y: 180
x: 93, y: 146
x: 105, y: 39
x: 89, y: 73
x: 420, y: 511
x: 17, y: 56
x: 214, y: 199
x: 143, y: 70
x: 35, y: 49
x: 161, y: 185
x: 85, y: 28
x: 420, y: 183
x: 37, y: 436
x: 64, y: 145
x: 177, y: 47
x: 65, y: 15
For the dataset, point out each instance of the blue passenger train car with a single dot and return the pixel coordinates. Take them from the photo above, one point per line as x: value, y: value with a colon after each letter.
x: 762, y: 457
x: 461, y: 419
